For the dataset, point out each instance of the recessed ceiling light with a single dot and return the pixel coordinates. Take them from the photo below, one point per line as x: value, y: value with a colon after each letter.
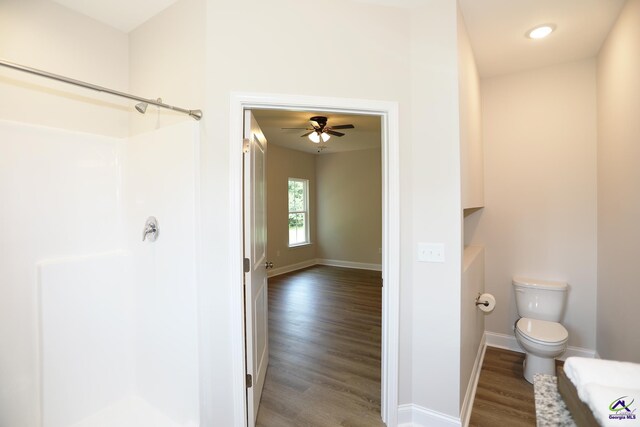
x: 541, y: 31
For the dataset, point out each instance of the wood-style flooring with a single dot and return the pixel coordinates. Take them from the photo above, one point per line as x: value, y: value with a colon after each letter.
x: 503, y: 396
x: 324, y: 355
x: 324, y: 363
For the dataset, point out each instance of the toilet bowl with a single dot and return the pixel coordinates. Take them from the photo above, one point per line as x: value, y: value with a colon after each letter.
x: 540, y: 304
x: 542, y: 341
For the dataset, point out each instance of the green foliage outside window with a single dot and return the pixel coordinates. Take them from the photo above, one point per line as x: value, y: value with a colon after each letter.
x: 298, y: 205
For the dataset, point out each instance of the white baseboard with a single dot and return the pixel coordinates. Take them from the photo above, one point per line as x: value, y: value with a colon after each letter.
x: 292, y: 267
x: 470, y: 395
x: 349, y: 264
x: 509, y: 342
x: 331, y: 262
x: 411, y: 415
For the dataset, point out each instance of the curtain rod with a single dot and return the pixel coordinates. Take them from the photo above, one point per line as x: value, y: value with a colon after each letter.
x: 196, y: 114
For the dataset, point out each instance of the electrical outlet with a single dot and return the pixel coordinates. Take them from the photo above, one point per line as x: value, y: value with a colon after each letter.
x: 431, y: 252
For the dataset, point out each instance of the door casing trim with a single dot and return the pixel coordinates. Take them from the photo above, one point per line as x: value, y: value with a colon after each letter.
x: 388, y: 111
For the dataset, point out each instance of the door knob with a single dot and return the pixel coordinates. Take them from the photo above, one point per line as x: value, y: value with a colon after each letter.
x: 268, y: 264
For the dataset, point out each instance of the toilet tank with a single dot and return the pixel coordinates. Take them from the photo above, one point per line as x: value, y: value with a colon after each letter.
x: 540, y: 299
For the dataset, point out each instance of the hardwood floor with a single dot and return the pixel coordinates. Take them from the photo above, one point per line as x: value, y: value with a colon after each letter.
x: 324, y: 366
x: 324, y: 356
x: 503, y: 396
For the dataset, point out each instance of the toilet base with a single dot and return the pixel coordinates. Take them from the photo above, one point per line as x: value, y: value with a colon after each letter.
x: 538, y: 365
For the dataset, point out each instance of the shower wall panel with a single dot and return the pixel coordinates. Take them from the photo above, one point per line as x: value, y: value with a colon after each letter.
x: 98, y: 328
x: 59, y: 197
x: 86, y: 314
x: 160, y: 179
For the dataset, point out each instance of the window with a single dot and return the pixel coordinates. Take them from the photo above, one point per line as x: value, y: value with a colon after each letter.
x: 298, y: 212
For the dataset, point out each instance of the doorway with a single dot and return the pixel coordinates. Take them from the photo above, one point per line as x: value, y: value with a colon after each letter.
x: 388, y: 113
x: 324, y: 227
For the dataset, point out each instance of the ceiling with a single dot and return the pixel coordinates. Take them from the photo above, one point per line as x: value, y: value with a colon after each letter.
x: 365, y: 135
x: 125, y: 15
x: 496, y: 27
x: 497, y: 31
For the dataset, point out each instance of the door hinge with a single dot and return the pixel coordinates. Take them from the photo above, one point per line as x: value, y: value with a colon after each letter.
x: 247, y: 265
x: 249, y: 381
x: 245, y: 145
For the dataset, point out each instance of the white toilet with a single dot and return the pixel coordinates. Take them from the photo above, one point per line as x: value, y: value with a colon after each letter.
x: 540, y: 305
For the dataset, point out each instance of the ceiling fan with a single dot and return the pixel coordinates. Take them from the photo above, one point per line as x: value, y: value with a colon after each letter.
x: 319, y: 130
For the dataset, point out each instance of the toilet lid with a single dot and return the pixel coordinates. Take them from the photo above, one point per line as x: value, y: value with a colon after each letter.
x: 542, y: 331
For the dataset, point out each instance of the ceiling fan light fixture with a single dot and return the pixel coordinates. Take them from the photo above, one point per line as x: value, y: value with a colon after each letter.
x: 325, y: 136
x: 314, y: 137
x: 541, y: 31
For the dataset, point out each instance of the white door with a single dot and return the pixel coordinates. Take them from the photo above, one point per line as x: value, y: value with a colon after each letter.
x: 255, y: 253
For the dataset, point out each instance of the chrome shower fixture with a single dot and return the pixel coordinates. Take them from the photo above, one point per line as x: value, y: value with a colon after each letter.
x: 142, y: 107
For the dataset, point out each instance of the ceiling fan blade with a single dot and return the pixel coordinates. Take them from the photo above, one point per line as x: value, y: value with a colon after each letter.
x: 296, y: 128
x: 349, y: 126
x: 330, y: 132
x: 307, y: 134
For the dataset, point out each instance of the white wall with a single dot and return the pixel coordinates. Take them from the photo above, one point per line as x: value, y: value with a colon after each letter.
x: 539, y: 131
x: 361, y: 38
x: 386, y: 53
x: 618, y: 196
x: 44, y: 35
x: 350, y: 206
x: 432, y: 210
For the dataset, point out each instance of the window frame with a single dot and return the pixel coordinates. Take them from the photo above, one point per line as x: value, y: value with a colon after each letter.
x: 305, y: 213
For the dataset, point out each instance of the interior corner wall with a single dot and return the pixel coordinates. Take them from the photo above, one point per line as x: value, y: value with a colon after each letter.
x: 472, y: 195
x: 471, y: 152
x: 539, y: 220
x: 618, y: 196
x: 282, y: 164
x: 167, y: 60
x: 349, y: 206
x: 434, y: 211
x: 45, y: 35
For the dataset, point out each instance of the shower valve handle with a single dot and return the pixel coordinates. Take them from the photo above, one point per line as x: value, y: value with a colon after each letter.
x: 150, y: 229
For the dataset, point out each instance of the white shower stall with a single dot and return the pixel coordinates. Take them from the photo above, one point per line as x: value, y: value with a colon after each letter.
x: 106, y: 321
